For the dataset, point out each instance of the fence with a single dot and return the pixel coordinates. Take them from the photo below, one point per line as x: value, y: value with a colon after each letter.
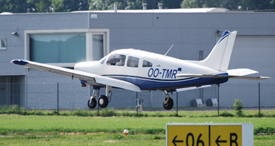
x: 71, y: 96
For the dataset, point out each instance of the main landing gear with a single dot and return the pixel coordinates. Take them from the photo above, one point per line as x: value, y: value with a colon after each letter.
x: 168, y: 102
x: 102, y: 101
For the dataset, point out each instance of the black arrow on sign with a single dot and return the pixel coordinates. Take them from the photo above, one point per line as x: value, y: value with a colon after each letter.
x: 174, y: 140
x: 220, y: 141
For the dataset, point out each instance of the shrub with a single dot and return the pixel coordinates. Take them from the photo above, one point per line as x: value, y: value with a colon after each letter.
x: 80, y: 112
x: 266, y: 130
x: 156, y: 137
x: 107, y: 113
x: 226, y: 114
x: 238, y: 107
x: 38, y: 112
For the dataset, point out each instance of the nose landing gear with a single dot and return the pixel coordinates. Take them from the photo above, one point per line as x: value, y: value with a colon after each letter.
x: 92, y: 103
x: 92, y: 100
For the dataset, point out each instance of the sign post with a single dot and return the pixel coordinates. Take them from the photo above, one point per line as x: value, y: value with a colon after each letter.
x: 209, y: 134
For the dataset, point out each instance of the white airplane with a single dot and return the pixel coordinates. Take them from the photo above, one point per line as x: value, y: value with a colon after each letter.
x: 138, y: 70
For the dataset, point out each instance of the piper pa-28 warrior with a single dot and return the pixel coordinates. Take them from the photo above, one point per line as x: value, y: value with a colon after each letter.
x: 138, y: 70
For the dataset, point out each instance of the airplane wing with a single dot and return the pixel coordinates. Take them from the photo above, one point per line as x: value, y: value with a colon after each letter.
x: 234, y: 74
x: 78, y: 74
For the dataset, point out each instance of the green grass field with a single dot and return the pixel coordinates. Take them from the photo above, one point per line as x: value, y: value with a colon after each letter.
x: 106, y: 139
x: 74, y: 130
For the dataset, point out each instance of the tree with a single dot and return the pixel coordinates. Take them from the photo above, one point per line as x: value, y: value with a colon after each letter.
x: 134, y: 4
x: 230, y: 4
x: 258, y: 5
x: 83, y: 5
x: 69, y: 5
x: 272, y: 4
x: 191, y: 4
x: 39, y: 5
x: 170, y: 4
x: 100, y: 4
x: 238, y: 107
x: 14, y: 6
x: 151, y: 4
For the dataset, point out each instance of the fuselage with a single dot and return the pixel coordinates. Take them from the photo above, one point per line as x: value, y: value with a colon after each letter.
x: 149, y: 71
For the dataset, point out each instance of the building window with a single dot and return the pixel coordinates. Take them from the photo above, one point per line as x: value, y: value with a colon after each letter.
x: 98, y: 45
x: 66, y: 47
x: 3, y: 44
x: 58, y: 48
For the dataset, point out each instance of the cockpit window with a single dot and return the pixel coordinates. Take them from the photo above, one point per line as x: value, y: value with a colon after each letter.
x: 116, y: 60
x: 132, y: 61
x: 103, y: 60
x: 147, y: 64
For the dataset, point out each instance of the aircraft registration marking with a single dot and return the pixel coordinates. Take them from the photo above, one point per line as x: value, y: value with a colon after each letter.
x: 163, y: 73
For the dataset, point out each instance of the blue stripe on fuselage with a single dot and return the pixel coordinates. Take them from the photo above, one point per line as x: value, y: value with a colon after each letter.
x: 151, y: 84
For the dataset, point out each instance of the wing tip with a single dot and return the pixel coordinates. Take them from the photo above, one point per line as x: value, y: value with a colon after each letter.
x: 19, y: 62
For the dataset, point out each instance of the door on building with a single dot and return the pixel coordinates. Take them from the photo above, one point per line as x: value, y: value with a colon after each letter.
x: 12, y: 90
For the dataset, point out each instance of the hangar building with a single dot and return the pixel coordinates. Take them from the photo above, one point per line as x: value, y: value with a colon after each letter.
x: 63, y: 39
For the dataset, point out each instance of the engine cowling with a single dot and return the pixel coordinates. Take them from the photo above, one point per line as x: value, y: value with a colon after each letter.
x: 93, y: 67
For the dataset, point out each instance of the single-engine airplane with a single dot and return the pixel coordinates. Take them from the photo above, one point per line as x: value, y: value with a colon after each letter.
x: 138, y: 70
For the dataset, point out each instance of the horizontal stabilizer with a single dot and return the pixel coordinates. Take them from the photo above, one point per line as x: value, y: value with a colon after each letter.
x: 234, y: 74
x: 249, y: 77
x: 192, y: 88
x: 241, y: 72
x: 78, y: 74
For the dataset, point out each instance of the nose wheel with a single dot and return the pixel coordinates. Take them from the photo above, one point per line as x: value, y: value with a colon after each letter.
x: 92, y: 103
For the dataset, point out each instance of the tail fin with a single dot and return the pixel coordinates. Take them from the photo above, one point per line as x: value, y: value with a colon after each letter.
x: 220, y: 55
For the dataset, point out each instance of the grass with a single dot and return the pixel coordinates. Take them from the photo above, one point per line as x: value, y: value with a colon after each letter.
x: 83, y: 140
x: 106, y: 139
x: 84, y: 129
x: 109, y: 112
x: 264, y: 140
x: 17, y: 124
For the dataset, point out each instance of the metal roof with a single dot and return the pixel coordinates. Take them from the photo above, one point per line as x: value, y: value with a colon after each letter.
x: 191, y: 10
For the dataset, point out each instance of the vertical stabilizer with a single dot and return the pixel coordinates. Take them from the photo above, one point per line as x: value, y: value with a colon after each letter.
x: 220, y: 55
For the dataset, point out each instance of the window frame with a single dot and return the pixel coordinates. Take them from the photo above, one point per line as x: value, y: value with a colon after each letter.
x: 89, y: 43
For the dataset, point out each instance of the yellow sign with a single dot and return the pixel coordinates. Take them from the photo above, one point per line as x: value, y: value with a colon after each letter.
x: 203, y: 135
x: 226, y: 135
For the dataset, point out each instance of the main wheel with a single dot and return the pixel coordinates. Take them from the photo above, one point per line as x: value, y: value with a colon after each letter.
x: 92, y: 104
x: 168, y: 105
x: 103, y: 101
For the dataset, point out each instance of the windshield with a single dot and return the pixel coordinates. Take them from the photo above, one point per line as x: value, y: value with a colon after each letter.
x: 102, y: 60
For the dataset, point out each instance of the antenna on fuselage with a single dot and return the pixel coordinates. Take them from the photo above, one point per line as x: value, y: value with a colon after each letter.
x: 168, y: 50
